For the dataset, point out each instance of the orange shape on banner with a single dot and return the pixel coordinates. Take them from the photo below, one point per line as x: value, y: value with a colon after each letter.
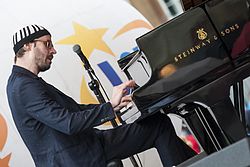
x: 5, y: 161
x: 133, y: 25
x: 3, y: 132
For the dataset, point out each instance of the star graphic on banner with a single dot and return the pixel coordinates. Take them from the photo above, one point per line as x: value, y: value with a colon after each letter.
x: 4, y: 132
x: 88, y: 39
x: 5, y: 161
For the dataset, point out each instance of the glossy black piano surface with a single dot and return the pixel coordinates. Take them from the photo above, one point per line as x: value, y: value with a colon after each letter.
x: 196, y: 57
x: 191, y: 63
x: 192, y: 50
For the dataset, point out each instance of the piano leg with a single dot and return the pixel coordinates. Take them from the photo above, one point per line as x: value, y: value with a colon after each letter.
x: 228, y: 119
x: 214, y: 127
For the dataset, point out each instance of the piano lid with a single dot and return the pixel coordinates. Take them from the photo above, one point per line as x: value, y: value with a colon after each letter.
x: 136, y: 67
x: 231, y: 20
x: 187, y: 4
x: 186, y: 53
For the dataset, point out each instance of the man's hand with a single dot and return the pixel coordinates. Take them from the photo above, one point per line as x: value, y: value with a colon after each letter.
x: 118, y: 99
x: 124, y: 102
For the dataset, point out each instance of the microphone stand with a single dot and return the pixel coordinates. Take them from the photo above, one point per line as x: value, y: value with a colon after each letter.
x: 94, y: 86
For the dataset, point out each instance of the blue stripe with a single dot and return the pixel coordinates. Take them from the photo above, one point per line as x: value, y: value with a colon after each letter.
x: 110, y: 73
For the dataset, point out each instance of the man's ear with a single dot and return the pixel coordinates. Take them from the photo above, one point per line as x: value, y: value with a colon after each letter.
x: 27, y: 46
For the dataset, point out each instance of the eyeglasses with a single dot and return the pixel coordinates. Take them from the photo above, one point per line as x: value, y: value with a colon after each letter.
x: 47, y: 43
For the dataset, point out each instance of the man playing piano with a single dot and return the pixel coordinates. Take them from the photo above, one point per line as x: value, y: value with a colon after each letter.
x: 60, y: 132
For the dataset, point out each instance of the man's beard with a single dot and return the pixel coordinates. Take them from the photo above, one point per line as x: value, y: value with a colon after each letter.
x: 41, y: 63
x: 44, y: 67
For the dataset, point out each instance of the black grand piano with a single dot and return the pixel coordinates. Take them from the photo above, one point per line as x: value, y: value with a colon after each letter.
x: 190, y: 64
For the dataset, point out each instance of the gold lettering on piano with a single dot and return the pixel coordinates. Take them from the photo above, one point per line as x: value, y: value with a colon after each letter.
x: 208, y: 41
x: 192, y: 50
x: 202, y: 34
x: 229, y: 30
x: 205, y: 41
x: 198, y: 46
x: 215, y: 37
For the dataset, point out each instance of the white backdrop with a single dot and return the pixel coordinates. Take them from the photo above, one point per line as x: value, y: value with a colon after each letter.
x: 106, y: 30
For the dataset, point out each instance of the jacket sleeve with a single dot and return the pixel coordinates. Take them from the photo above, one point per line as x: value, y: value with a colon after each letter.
x: 38, y: 104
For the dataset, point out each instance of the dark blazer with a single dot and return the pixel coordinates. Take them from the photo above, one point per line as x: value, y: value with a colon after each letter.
x: 56, y: 130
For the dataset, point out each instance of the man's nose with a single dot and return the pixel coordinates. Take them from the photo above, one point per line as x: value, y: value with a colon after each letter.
x: 53, y: 50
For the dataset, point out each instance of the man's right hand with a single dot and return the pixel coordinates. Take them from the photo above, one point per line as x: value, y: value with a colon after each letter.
x: 118, y: 99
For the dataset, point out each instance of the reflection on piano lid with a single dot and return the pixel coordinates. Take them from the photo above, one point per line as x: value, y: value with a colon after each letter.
x: 179, y: 52
x: 126, y: 59
x: 230, y: 18
x: 188, y: 52
x: 136, y: 67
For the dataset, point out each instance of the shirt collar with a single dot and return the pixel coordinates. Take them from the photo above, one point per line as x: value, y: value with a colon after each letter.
x: 18, y: 69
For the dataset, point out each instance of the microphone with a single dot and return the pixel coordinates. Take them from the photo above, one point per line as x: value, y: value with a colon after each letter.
x: 78, y: 51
